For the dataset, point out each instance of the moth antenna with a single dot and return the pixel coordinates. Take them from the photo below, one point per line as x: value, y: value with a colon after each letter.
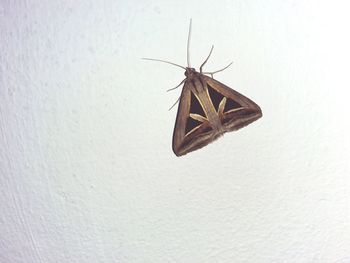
x: 205, y: 61
x: 174, y: 103
x: 164, y: 61
x: 177, y: 85
x: 188, y: 44
x: 211, y: 73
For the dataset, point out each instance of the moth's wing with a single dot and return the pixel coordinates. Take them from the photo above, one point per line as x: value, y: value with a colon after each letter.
x: 192, y: 129
x: 234, y: 109
x: 181, y: 118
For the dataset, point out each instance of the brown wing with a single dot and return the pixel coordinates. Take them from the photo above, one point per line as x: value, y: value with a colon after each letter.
x: 234, y: 109
x: 192, y: 129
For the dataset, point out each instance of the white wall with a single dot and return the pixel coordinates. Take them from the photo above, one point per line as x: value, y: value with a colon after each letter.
x: 87, y: 170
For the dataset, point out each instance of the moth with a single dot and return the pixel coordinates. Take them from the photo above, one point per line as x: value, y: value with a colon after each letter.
x: 207, y: 108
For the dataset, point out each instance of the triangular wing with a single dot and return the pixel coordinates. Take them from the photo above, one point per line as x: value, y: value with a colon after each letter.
x: 234, y: 109
x: 192, y: 129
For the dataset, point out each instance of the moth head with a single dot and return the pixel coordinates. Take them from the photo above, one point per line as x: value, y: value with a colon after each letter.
x: 190, y: 72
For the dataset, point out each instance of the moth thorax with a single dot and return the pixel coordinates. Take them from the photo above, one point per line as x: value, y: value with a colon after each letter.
x: 190, y: 72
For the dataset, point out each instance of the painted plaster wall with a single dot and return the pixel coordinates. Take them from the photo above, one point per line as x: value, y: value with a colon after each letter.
x: 87, y: 171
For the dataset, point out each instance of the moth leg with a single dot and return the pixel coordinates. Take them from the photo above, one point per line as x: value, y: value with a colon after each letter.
x: 205, y: 61
x: 214, y: 72
x: 177, y: 85
x: 175, y: 103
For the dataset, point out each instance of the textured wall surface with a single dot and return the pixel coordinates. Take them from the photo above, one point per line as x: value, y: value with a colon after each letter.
x: 87, y: 170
